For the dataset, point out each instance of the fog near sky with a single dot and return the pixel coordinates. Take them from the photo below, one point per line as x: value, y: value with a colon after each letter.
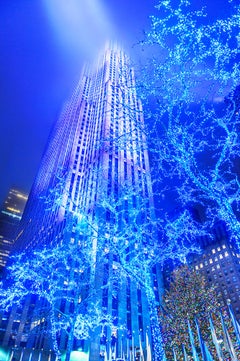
x: 43, y: 46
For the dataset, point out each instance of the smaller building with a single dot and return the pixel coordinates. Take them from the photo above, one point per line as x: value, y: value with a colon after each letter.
x: 10, y: 216
x: 220, y: 264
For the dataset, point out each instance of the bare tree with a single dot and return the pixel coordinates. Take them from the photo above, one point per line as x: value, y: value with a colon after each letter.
x: 60, y: 276
x: 141, y: 243
x: 190, y: 87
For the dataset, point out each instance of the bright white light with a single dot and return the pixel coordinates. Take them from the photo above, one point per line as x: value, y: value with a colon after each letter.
x: 4, y: 356
x: 81, y: 24
x: 77, y: 356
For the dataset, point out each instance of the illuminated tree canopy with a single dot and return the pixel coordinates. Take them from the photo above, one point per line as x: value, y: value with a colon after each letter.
x: 64, y: 273
x: 59, y: 275
x: 190, y: 88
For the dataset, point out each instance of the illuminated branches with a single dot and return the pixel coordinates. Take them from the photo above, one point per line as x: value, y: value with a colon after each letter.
x: 138, y: 238
x: 139, y: 243
x: 193, y: 100
x: 100, y: 224
x: 59, y: 277
x: 190, y: 53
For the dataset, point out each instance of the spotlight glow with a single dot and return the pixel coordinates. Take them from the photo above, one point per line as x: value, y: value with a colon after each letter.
x: 82, y: 25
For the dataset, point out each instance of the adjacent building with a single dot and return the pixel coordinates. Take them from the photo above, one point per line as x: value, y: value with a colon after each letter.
x: 220, y: 264
x: 10, y: 216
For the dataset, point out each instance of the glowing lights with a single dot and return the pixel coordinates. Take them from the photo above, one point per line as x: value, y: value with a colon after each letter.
x: 195, y: 146
x: 129, y: 241
x: 4, y: 354
x: 13, y: 210
x: 77, y: 356
x: 20, y: 195
x: 11, y: 214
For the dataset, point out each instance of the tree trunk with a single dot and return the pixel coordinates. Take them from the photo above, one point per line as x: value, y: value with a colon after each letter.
x: 71, y: 335
x: 69, y: 344
x: 157, y: 351
x: 54, y: 334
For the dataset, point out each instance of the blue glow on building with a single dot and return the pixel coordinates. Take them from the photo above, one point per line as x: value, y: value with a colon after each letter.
x: 93, y: 191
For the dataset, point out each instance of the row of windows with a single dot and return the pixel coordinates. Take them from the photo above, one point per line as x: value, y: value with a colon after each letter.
x: 211, y: 260
x: 218, y: 249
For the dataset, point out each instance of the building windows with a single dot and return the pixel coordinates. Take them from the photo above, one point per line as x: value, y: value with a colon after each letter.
x: 86, y: 181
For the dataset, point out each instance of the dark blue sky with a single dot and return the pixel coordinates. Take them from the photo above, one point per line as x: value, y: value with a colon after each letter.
x: 43, y: 45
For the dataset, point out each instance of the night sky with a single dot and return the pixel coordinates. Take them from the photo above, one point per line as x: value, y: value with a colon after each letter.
x: 43, y: 46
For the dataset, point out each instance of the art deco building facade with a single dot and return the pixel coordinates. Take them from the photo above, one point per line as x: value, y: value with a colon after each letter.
x: 96, y: 164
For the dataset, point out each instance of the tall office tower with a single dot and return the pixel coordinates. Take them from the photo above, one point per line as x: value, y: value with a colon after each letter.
x: 10, y: 216
x: 96, y: 166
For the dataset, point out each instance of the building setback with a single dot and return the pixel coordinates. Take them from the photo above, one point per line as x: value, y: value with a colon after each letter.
x: 96, y: 153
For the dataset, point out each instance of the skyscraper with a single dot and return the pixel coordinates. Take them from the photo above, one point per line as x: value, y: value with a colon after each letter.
x: 10, y: 217
x: 96, y: 166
